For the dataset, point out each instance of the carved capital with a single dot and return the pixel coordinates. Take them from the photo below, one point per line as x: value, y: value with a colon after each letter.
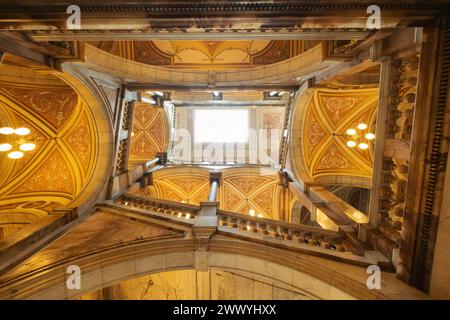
x: 201, y: 242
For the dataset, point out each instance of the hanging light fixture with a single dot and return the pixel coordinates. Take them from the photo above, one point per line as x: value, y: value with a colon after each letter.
x: 21, y: 145
x: 15, y: 155
x: 357, y: 137
x: 6, y: 130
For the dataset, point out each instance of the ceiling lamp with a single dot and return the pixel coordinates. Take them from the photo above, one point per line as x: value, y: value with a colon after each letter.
x: 351, y: 132
x: 363, y: 146
x: 15, y: 155
x: 22, y: 131
x: 6, y: 130
x: 357, y: 137
x: 5, y: 147
x: 251, y: 212
x: 369, y: 136
x: 27, y: 146
x: 362, y: 126
x: 21, y: 145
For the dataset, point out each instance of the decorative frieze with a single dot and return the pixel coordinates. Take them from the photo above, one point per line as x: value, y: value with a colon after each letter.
x: 122, y: 155
x: 402, y: 99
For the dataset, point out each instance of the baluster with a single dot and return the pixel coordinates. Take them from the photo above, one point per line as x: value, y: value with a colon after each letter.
x: 243, y: 225
x: 253, y: 226
x: 263, y: 228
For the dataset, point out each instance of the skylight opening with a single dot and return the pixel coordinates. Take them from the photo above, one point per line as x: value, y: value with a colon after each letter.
x: 221, y: 125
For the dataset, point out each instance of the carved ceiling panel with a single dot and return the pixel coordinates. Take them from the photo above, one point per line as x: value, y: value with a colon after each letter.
x: 321, y: 113
x: 244, y: 189
x: 189, y: 185
x: 56, y: 172
x: 150, y: 133
x: 202, y: 54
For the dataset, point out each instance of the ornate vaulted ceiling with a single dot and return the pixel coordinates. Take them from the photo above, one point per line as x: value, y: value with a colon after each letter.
x: 206, y: 54
x: 189, y: 185
x: 150, y: 133
x: 56, y: 172
x: 242, y: 189
x: 317, y: 154
x: 245, y: 189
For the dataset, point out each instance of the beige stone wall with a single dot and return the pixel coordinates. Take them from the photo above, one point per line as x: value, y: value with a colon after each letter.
x: 214, y: 284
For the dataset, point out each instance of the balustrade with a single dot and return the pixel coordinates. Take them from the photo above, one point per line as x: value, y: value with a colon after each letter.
x: 284, y: 231
x: 174, y: 209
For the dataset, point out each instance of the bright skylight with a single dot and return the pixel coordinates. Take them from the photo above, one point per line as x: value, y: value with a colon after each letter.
x: 221, y: 125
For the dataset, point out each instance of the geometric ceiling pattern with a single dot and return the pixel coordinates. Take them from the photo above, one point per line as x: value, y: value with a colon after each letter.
x: 328, y: 111
x: 203, y: 54
x: 188, y: 185
x: 244, y: 189
x: 241, y: 189
x: 150, y: 133
x: 58, y: 169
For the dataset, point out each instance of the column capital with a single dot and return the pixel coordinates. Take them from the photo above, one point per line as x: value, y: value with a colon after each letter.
x: 215, y: 176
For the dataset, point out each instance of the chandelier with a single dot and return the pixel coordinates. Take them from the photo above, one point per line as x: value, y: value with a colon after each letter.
x: 360, y: 136
x: 21, y: 143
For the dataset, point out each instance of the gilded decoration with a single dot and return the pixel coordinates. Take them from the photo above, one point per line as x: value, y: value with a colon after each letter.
x: 204, y: 53
x: 58, y: 169
x: 150, y: 133
x: 319, y: 114
x: 241, y: 189
x: 180, y: 184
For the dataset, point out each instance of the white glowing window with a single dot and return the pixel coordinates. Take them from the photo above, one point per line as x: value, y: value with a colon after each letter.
x: 221, y: 126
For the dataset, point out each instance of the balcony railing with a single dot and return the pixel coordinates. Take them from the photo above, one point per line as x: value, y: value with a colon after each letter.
x: 243, y: 224
x: 281, y: 230
x: 171, y: 208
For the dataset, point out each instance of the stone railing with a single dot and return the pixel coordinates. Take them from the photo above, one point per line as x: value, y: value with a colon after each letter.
x: 171, y: 208
x: 285, y: 231
x: 244, y: 225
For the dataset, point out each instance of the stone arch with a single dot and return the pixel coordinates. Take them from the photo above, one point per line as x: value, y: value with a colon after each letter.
x: 319, y: 277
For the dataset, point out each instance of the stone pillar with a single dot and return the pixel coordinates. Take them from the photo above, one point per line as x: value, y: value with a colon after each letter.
x: 215, y: 179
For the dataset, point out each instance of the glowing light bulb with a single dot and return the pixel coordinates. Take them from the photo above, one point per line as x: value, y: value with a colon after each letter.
x: 363, y: 146
x: 147, y: 100
x: 370, y: 136
x: 351, y: 144
x: 188, y: 216
x: 351, y: 132
x: 5, y: 147
x: 251, y: 212
x: 6, y: 130
x: 260, y: 215
x: 27, y: 146
x: 15, y: 155
x: 22, y: 131
x: 362, y: 126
